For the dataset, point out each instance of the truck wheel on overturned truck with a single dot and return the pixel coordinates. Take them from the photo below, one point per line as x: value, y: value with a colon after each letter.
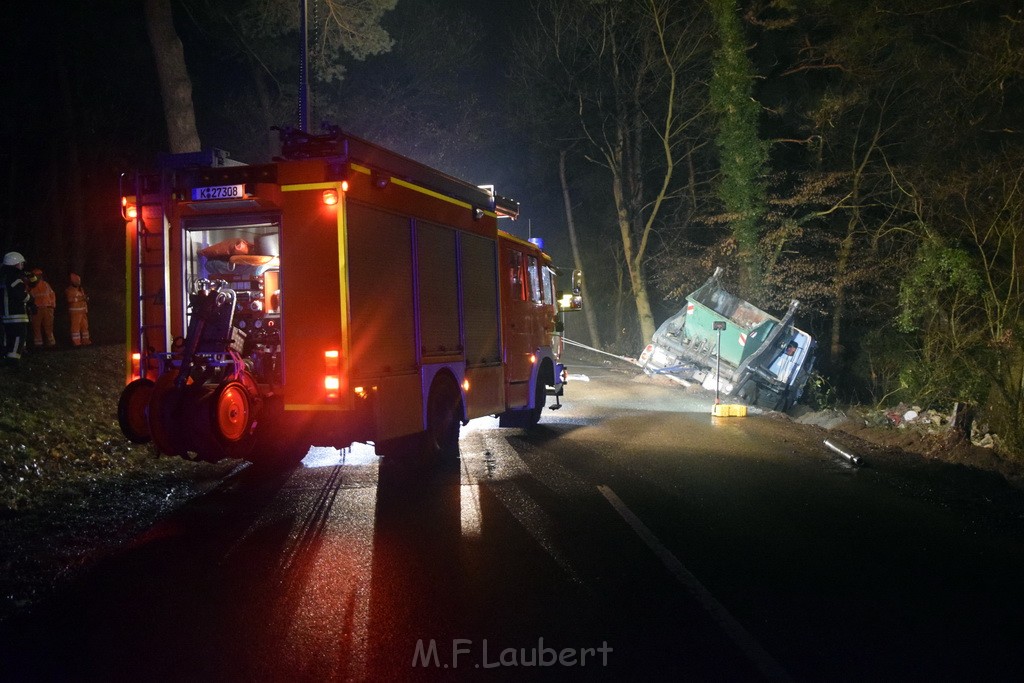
x: 133, y: 410
x: 748, y: 393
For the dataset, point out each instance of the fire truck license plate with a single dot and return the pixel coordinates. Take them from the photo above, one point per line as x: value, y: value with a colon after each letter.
x: 218, y: 192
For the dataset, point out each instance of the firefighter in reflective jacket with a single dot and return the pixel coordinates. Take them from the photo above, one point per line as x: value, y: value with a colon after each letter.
x: 78, y: 308
x: 46, y: 301
x: 14, y: 301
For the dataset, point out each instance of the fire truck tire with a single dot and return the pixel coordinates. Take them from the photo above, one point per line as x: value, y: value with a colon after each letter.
x: 527, y: 418
x: 233, y: 414
x: 281, y: 451
x: 540, y: 399
x: 165, y: 417
x: 444, y: 421
x: 221, y: 421
x: 278, y: 446
x: 194, y: 409
x: 133, y: 410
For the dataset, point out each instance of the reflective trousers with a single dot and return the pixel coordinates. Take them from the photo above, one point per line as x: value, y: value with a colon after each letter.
x: 42, y: 326
x: 80, y: 328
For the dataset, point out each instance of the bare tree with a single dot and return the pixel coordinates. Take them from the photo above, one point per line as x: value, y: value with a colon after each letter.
x: 626, y: 80
x: 595, y: 336
x: 264, y: 33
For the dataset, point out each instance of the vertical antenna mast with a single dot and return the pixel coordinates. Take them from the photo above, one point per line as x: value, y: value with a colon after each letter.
x: 303, y: 68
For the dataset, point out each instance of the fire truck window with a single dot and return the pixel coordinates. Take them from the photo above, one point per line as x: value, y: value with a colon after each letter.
x: 231, y: 252
x: 246, y: 256
x: 549, y: 286
x: 535, y: 293
x: 516, y: 274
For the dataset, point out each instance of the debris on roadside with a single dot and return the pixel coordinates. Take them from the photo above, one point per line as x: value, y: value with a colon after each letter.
x: 929, y: 421
x: 852, y: 458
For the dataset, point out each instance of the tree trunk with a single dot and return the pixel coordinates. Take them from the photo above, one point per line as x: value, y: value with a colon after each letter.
x: 175, y: 84
x: 839, y: 310
x: 588, y: 310
x: 619, y: 315
x: 645, y: 317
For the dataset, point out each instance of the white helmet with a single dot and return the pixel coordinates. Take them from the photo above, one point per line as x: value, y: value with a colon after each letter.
x: 13, y: 258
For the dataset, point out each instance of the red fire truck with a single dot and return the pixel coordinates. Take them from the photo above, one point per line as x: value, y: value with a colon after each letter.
x: 342, y: 293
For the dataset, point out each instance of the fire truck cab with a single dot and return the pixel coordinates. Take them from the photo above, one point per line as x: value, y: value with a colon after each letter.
x: 342, y: 293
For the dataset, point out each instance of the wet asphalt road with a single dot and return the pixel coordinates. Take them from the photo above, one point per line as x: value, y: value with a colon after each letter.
x: 633, y: 536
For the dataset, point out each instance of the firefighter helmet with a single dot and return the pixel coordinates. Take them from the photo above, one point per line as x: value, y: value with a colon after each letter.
x: 13, y: 258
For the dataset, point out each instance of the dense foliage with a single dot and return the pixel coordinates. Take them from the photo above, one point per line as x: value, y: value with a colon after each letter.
x: 874, y: 144
x: 741, y: 151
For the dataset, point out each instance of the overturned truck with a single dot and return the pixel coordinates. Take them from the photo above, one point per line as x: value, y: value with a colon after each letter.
x: 729, y: 345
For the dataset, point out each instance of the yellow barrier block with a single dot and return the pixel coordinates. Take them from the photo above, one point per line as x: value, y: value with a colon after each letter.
x: 724, y: 410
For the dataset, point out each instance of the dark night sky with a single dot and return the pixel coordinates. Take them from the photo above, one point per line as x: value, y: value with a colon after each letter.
x: 96, y: 55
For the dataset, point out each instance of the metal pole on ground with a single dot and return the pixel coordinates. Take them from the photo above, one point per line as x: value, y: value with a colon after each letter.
x: 718, y: 325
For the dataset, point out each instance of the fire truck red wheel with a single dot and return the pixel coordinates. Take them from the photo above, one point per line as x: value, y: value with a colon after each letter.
x: 444, y: 420
x: 232, y: 412
x: 220, y: 421
x: 132, y: 410
x: 195, y: 412
x: 165, y: 418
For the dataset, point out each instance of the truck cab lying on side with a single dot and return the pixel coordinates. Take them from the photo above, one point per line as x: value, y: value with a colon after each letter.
x: 729, y: 345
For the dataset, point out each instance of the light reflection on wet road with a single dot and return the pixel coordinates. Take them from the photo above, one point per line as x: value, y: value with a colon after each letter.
x: 741, y: 550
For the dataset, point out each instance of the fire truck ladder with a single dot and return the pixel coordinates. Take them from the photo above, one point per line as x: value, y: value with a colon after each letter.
x: 150, y: 258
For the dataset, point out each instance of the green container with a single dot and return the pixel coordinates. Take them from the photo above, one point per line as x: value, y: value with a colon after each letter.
x: 746, y: 326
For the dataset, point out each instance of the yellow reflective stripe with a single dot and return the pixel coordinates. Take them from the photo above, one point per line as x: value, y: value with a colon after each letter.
x: 422, y: 190
x: 342, y: 269
x: 332, y: 185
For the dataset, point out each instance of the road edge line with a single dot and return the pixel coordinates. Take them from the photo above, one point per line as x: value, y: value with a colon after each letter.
x: 734, y: 629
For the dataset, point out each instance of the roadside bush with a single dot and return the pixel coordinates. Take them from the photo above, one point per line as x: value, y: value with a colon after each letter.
x: 820, y: 394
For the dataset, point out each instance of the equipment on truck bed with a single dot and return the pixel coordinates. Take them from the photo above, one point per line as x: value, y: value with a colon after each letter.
x: 341, y: 293
x: 756, y: 357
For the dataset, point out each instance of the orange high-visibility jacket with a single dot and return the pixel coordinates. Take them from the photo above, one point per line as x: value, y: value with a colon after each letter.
x: 43, y: 295
x: 76, y: 299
